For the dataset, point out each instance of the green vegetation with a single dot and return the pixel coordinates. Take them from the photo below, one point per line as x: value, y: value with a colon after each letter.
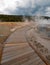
x: 18, y: 18
x: 11, y: 18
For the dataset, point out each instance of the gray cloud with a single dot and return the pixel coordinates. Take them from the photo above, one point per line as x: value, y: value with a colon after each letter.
x: 28, y: 7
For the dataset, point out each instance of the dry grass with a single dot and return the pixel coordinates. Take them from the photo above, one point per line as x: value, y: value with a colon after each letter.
x: 11, y: 24
x: 6, y: 26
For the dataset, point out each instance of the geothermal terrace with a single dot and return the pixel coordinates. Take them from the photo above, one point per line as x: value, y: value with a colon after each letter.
x: 16, y: 49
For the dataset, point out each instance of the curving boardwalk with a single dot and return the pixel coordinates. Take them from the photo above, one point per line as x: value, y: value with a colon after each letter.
x: 17, y: 50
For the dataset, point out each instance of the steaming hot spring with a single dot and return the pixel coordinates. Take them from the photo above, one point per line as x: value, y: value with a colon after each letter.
x: 44, y: 30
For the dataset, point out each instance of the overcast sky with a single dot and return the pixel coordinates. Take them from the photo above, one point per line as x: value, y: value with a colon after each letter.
x: 25, y: 7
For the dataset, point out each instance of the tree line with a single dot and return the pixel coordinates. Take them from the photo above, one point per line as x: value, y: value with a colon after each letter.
x: 11, y: 18
x: 14, y: 18
x: 17, y: 18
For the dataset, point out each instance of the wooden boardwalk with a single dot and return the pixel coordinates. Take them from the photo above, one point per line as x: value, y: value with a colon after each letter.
x: 20, y: 54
